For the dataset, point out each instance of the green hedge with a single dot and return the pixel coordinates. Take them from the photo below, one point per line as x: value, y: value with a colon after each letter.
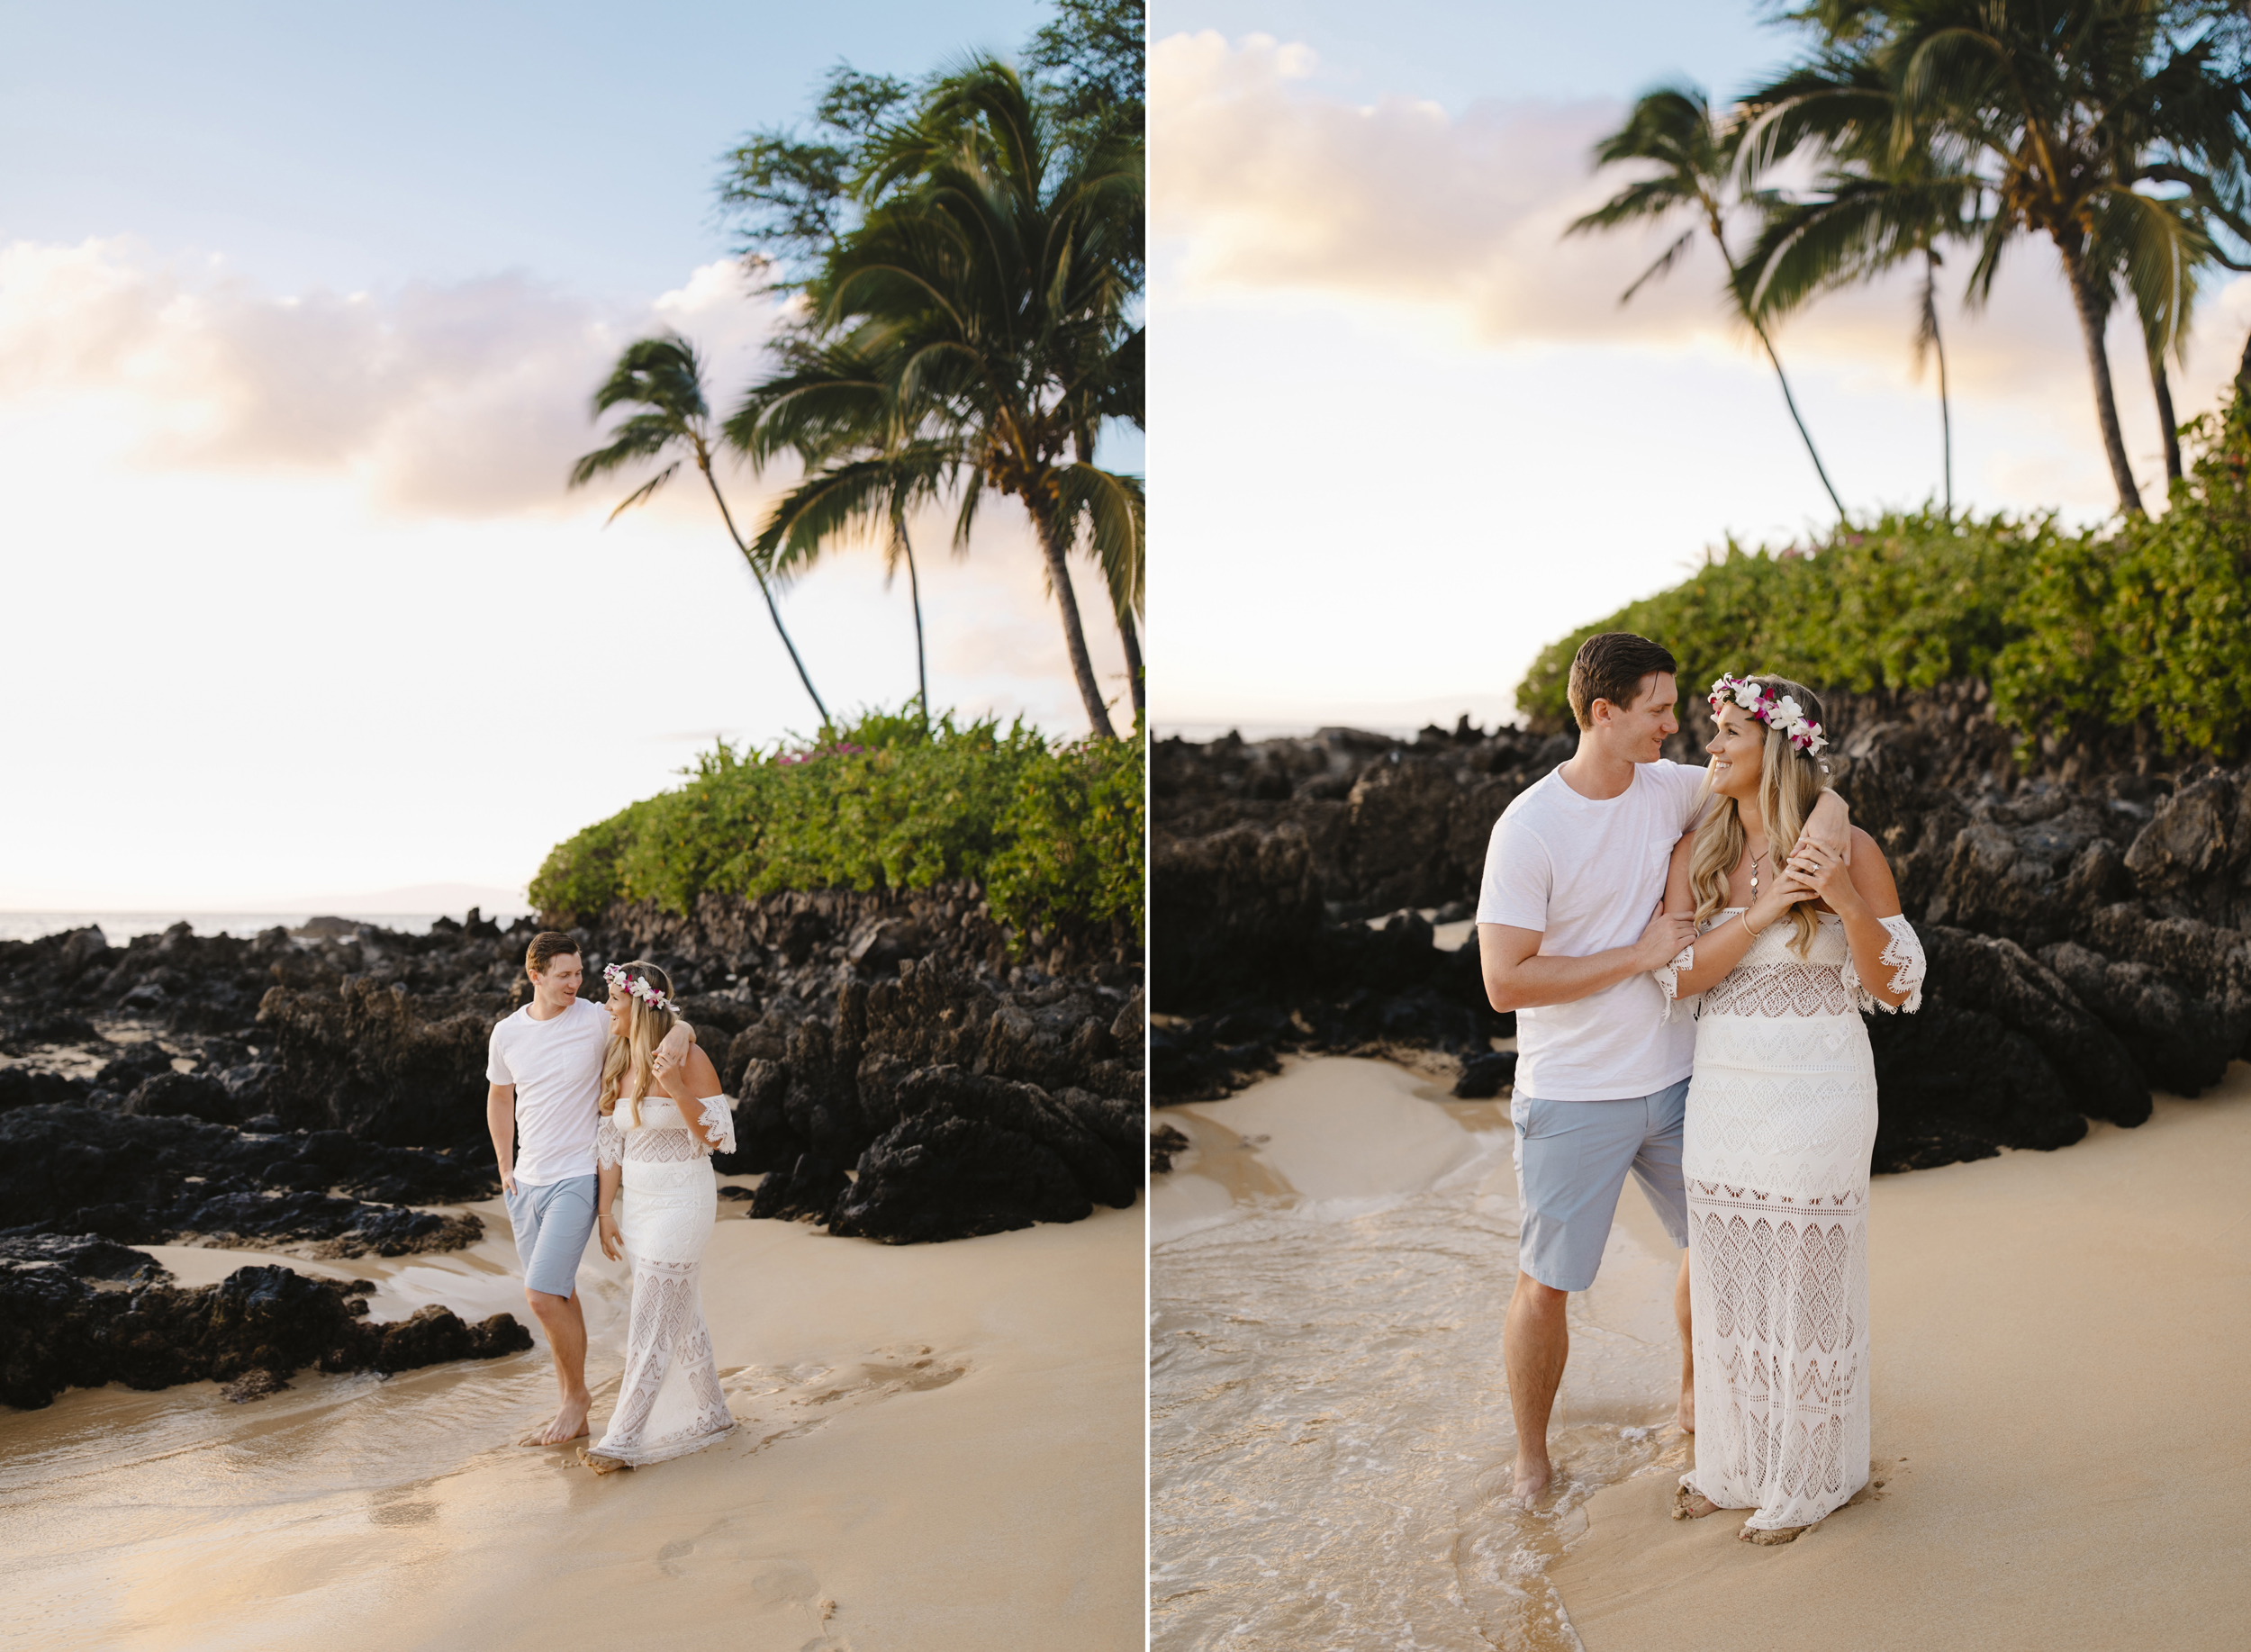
x: 2144, y: 620
x: 1055, y: 835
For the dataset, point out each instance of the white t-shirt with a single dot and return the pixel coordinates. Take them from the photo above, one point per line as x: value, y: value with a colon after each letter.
x: 1588, y: 875
x: 555, y: 1066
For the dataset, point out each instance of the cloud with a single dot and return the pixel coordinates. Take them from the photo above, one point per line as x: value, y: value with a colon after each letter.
x: 1262, y: 185
x: 462, y: 399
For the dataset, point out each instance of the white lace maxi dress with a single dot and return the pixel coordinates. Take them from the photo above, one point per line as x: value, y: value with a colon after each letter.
x: 670, y: 1402
x: 1781, y: 1120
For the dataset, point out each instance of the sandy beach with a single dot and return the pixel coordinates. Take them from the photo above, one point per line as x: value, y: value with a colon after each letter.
x: 2059, y: 1343
x: 2059, y: 1415
x: 941, y: 1447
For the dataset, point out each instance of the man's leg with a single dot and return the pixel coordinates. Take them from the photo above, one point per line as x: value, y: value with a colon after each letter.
x: 1535, y: 1342
x: 564, y: 1217
x: 1687, y: 1414
x: 1657, y: 1167
x: 1571, y: 1162
x: 565, y: 1321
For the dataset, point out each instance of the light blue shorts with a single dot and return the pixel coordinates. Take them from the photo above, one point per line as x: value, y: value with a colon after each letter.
x: 1571, y: 1162
x: 552, y: 1225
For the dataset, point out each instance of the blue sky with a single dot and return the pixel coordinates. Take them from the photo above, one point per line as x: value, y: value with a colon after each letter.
x: 1406, y: 435
x: 300, y: 310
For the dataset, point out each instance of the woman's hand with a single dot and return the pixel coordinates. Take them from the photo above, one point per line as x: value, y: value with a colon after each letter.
x: 1776, y: 899
x: 612, y: 1242
x: 1821, y: 868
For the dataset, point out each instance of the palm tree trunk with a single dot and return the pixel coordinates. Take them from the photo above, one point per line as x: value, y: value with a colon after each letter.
x: 1791, y: 401
x: 2158, y: 383
x: 1052, y: 545
x: 914, y: 593
x: 2093, y: 313
x: 1134, y: 670
x: 764, y: 591
x: 1938, y: 348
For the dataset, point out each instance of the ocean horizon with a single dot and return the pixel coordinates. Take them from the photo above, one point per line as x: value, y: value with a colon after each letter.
x: 119, y: 927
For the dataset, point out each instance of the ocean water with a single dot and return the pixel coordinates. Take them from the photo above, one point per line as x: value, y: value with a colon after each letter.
x: 122, y: 926
x: 1331, y: 1443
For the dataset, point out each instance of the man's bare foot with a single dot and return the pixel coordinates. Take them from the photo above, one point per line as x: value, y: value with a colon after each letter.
x: 1686, y: 1415
x: 1780, y: 1534
x: 567, y: 1424
x: 602, y: 1464
x: 1531, y: 1478
x: 1692, y: 1506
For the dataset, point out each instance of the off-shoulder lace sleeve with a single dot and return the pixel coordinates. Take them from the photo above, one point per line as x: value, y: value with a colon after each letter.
x: 1669, y: 980
x: 718, y: 1122
x: 608, y: 1144
x: 1902, y: 955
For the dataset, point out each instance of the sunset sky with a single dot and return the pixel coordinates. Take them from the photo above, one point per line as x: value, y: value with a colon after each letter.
x: 1406, y: 436
x: 300, y: 310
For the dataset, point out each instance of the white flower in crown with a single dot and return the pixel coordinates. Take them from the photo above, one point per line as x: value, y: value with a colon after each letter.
x: 1789, y: 713
x: 1747, y: 695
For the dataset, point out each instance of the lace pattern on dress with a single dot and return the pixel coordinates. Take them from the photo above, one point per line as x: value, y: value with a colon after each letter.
x: 608, y: 1144
x: 718, y: 1122
x: 1902, y: 955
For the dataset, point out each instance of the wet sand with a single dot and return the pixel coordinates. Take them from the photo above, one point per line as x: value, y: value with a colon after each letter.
x: 1329, y: 1436
x: 941, y: 1447
x: 2060, y: 1420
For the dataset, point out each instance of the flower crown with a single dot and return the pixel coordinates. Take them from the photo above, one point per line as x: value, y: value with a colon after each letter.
x: 638, y: 986
x: 1779, y: 711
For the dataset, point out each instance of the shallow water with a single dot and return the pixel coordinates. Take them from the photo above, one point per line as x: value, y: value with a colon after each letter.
x: 148, y: 1486
x: 1330, y: 1435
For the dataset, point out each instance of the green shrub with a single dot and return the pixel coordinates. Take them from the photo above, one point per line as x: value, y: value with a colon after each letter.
x: 2140, y: 622
x: 1911, y: 600
x: 1067, y: 829
x: 882, y: 803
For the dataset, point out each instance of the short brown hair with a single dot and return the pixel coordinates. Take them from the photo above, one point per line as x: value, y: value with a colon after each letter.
x: 1610, y: 666
x: 546, y: 947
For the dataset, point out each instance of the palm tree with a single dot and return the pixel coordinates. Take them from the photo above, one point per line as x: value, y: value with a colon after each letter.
x: 1698, y: 160
x: 1873, y: 207
x: 869, y: 462
x: 2061, y: 108
x: 992, y: 273
x: 663, y: 376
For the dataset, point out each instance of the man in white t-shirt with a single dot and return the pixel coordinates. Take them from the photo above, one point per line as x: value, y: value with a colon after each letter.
x: 544, y: 1069
x: 1570, y: 924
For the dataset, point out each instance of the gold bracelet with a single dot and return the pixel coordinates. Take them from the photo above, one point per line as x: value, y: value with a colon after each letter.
x: 1745, y: 916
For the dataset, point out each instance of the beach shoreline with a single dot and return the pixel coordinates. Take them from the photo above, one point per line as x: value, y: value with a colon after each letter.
x: 933, y: 1440
x: 2062, y: 1487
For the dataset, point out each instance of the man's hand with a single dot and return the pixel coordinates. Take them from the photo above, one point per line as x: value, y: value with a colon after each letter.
x: 1661, y: 942
x: 675, y: 1047
x: 1829, y: 826
x: 507, y: 1181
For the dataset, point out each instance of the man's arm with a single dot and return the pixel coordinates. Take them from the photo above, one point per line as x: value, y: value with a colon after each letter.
x: 500, y: 1118
x: 1517, y: 977
x: 1829, y: 826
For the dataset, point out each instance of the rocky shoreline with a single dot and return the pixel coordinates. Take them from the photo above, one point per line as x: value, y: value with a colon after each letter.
x: 2087, y: 917
x: 898, y: 1078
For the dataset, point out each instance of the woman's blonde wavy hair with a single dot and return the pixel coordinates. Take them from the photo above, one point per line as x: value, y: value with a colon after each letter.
x: 1789, y: 781
x: 634, y: 1055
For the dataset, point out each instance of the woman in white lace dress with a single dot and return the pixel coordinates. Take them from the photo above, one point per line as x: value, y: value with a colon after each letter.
x: 655, y: 1203
x: 1792, y: 945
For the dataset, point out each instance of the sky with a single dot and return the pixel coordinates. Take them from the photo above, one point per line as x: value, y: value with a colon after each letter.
x: 1407, y: 434
x: 300, y: 310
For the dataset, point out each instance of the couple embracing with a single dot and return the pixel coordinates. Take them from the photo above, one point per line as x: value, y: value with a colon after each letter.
x: 1688, y: 952
x: 604, y: 1117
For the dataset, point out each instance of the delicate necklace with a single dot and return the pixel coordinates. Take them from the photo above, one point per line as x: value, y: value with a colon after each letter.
x: 1755, y: 860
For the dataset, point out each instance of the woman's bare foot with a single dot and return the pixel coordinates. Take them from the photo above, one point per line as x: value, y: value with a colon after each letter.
x: 601, y: 1465
x: 1692, y: 1506
x: 567, y: 1424
x: 1780, y: 1534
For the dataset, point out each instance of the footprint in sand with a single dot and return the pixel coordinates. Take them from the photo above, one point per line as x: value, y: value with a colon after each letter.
x: 779, y: 1585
